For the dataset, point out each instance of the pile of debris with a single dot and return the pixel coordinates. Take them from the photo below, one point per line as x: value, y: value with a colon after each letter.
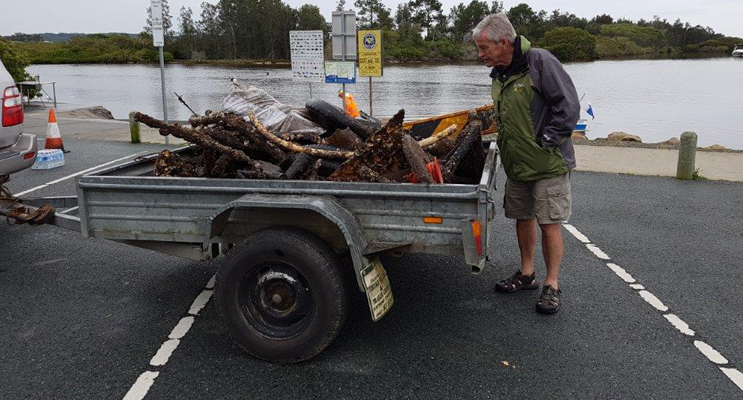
x: 228, y: 145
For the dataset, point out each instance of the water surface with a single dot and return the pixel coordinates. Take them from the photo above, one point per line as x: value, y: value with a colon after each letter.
x: 655, y: 99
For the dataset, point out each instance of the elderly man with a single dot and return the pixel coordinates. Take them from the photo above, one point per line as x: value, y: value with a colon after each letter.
x: 536, y: 108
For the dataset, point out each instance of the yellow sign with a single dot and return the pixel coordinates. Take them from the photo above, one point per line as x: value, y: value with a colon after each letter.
x: 370, y: 53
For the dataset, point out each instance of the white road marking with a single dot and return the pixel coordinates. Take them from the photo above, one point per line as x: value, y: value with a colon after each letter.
x: 575, y: 232
x: 734, y: 375
x: 182, y: 328
x: 597, y: 252
x: 653, y: 301
x: 163, y: 355
x: 141, y: 386
x: 200, y: 302
x: 85, y: 171
x: 713, y: 355
x: 210, y: 284
x: 679, y: 324
x: 710, y: 352
x: 621, y: 272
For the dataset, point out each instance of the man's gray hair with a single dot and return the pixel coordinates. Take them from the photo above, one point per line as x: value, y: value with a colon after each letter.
x: 496, y: 27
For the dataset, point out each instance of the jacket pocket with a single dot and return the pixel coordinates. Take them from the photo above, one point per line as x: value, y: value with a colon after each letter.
x: 559, y: 202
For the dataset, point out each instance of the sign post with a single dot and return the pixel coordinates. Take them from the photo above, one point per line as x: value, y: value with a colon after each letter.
x: 158, y: 40
x: 344, y: 43
x: 370, y: 58
x: 307, y: 53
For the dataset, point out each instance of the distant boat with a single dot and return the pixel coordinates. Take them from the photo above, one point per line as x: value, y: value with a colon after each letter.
x: 738, y: 51
x: 586, y: 109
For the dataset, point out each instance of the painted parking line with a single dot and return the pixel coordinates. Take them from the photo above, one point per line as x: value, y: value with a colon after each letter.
x: 83, y: 172
x: 708, y: 351
x: 140, y: 388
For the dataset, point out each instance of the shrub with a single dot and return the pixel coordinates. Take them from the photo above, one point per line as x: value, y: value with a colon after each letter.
x: 568, y: 44
x: 618, y: 47
x: 14, y: 60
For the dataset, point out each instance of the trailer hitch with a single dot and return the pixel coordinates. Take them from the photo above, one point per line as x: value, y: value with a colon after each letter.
x: 12, y: 209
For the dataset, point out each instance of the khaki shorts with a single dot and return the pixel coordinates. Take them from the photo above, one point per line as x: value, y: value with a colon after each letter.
x: 547, y: 200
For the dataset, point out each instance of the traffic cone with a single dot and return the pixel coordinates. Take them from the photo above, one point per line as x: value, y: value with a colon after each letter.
x: 53, y: 137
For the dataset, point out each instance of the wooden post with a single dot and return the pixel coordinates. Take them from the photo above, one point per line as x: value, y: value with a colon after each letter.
x: 687, y: 156
x: 133, y: 128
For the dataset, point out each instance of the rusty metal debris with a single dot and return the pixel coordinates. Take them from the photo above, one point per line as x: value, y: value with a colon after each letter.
x: 230, y: 146
x: 12, y: 209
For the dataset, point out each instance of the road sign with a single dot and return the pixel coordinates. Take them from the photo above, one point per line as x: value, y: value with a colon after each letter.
x: 344, y: 35
x: 370, y: 53
x: 307, y: 54
x: 340, y: 72
x: 156, y: 17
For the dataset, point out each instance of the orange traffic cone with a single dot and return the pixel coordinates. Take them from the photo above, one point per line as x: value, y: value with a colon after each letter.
x: 53, y: 137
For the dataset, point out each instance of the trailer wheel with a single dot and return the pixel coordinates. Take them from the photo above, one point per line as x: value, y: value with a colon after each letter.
x: 281, y: 295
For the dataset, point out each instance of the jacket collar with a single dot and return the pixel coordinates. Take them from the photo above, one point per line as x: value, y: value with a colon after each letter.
x: 518, y: 64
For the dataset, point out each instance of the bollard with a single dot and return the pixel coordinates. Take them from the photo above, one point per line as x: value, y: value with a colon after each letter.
x: 133, y: 128
x: 687, y: 156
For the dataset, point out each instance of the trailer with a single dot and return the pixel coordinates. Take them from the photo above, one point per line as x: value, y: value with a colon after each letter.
x: 281, y: 290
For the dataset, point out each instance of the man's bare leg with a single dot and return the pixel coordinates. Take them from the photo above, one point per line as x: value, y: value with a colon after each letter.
x: 526, y: 232
x: 552, y: 248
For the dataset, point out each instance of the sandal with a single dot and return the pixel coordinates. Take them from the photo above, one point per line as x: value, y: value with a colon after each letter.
x: 517, y: 282
x: 549, y: 300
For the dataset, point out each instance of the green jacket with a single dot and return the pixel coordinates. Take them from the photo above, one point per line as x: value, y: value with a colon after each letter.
x: 536, y: 108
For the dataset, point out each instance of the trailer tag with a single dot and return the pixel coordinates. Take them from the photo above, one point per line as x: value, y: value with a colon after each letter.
x: 378, y: 289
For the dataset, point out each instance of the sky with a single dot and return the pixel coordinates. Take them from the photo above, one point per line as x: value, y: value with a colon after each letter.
x: 93, y: 16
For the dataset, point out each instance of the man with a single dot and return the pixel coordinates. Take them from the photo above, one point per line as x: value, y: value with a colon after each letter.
x: 536, y: 108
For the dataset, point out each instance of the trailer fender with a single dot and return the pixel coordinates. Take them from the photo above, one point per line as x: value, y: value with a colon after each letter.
x: 327, y: 206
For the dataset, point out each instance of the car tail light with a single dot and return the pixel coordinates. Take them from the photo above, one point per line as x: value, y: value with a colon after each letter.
x: 29, y: 156
x: 12, y: 106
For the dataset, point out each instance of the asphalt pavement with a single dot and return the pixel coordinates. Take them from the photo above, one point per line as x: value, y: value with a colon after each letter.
x: 82, y: 318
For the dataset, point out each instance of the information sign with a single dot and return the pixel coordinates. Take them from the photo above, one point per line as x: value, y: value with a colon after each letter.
x: 340, y: 72
x: 370, y: 53
x: 307, y: 54
x: 156, y: 17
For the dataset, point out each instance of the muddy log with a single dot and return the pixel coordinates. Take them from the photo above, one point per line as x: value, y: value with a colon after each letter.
x: 381, y: 154
x: 462, y: 147
x: 195, y: 137
x: 308, y: 137
x: 289, y: 146
x: 301, y: 163
x: 169, y: 164
x: 417, y: 158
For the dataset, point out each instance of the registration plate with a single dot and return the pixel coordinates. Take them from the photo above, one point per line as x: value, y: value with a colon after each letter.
x: 378, y: 289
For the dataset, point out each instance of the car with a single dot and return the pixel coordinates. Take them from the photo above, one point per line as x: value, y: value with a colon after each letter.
x: 17, y: 149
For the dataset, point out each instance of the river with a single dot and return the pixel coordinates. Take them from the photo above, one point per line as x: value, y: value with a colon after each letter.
x: 655, y: 99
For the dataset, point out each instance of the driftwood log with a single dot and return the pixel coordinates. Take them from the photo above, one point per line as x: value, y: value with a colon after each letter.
x: 380, y: 154
x: 289, y: 146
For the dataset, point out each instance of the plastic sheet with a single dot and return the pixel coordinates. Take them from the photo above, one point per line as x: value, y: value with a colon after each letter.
x: 275, y: 116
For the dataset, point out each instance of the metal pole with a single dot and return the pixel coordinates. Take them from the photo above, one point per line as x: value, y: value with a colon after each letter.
x: 371, y: 110
x: 310, y: 89
x: 54, y: 91
x: 162, y: 80
x: 343, y: 57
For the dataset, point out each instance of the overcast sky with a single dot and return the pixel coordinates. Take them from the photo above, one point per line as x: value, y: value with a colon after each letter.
x: 91, y: 16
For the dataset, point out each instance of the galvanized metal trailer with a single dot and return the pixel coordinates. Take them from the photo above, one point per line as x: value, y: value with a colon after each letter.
x: 281, y: 290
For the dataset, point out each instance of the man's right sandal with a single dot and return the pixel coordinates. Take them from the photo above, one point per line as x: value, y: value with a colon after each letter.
x: 517, y: 282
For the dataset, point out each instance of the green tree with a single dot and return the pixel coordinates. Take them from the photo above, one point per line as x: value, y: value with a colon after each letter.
x: 496, y: 7
x: 14, y: 60
x: 428, y: 14
x: 568, y: 44
x: 603, y: 19
x: 369, y: 11
x: 341, y: 5
x: 310, y: 18
x: 526, y: 21
x: 465, y: 18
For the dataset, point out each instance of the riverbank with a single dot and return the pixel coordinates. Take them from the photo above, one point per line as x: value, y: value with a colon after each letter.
x: 595, y: 155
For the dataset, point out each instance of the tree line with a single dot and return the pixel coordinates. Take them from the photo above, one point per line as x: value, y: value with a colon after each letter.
x: 414, y: 31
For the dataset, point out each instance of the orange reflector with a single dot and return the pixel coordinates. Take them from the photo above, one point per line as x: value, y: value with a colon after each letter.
x: 477, y: 233
x: 433, y: 220
x: 476, y: 228
x: 29, y: 156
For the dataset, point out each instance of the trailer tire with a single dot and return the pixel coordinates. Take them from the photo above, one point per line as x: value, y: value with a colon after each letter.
x: 281, y: 295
